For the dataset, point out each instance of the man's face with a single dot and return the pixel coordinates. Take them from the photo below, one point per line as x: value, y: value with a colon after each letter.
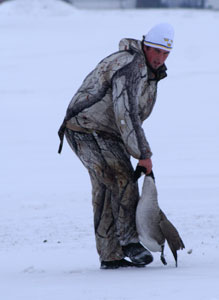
x: 155, y: 57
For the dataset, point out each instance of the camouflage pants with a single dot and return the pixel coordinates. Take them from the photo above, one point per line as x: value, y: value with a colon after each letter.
x: 114, y: 195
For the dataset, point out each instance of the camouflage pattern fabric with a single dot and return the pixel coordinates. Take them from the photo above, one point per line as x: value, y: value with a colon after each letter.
x: 116, y: 97
x: 114, y: 193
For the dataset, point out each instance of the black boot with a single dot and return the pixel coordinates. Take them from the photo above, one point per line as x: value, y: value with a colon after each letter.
x: 138, y: 254
x: 115, y: 264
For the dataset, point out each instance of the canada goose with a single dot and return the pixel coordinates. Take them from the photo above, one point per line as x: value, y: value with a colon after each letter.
x: 153, y: 227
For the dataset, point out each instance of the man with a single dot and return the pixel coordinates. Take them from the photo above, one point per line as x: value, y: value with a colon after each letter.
x: 103, y: 126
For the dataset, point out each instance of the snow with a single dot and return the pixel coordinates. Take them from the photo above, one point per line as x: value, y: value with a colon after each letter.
x: 26, y: 8
x: 46, y: 234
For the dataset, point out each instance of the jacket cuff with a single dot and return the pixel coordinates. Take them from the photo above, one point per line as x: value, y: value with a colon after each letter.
x: 146, y: 155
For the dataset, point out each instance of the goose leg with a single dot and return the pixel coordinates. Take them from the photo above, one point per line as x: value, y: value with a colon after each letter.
x: 162, y: 258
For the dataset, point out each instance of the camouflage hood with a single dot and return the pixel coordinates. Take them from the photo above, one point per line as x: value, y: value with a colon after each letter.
x: 130, y: 44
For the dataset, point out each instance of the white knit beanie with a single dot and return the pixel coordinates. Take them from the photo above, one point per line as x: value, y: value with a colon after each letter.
x: 160, y: 36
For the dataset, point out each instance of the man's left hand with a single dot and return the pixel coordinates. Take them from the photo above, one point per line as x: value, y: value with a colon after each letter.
x: 147, y: 163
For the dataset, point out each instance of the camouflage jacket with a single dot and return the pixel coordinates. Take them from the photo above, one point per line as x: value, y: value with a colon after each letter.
x: 116, y: 97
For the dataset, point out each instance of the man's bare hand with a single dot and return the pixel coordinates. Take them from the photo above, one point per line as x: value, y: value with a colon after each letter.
x: 147, y: 163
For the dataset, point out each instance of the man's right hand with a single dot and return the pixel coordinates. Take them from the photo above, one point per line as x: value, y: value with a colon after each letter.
x: 147, y: 163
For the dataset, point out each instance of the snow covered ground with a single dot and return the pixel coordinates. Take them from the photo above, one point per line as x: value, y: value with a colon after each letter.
x: 47, y: 247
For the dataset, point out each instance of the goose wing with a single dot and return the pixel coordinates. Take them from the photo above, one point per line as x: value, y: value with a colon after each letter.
x: 171, y: 235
